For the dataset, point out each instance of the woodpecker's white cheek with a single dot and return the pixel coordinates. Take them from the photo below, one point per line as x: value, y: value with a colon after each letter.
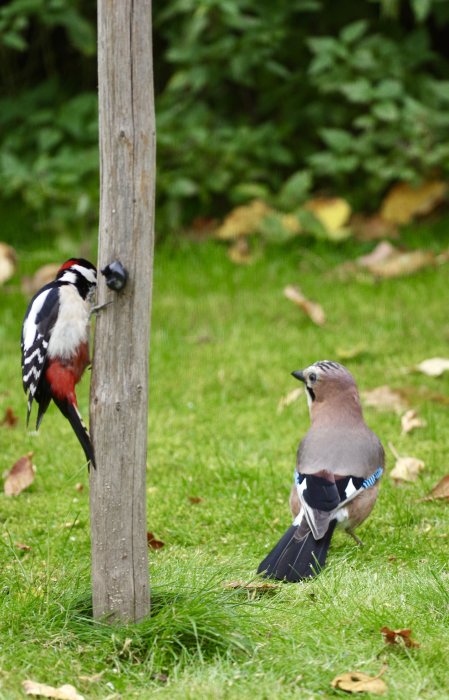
x: 68, y: 276
x: 88, y: 274
x: 30, y: 328
x: 72, y: 325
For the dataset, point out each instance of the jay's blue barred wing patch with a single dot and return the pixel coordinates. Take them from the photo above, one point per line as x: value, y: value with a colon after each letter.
x: 318, y: 488
x: 38, y: 324
x: 371, y: 480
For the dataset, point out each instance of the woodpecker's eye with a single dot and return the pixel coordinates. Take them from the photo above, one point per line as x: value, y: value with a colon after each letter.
x: 312, y: 377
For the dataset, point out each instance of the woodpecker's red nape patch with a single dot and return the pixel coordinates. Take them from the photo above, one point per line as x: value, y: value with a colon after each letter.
x: 67, y: 264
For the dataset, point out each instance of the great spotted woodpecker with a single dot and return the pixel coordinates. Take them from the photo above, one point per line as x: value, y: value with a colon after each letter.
x: 55, y: 344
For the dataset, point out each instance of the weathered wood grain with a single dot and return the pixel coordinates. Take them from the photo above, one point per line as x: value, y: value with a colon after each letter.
x: 119, y: 385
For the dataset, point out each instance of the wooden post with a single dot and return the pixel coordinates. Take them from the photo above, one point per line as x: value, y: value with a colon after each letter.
x: 119, y: 385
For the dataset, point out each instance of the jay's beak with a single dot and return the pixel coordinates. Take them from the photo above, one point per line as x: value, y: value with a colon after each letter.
x: 299, y: 375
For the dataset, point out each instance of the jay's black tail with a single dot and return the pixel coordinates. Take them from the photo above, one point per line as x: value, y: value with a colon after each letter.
x: 70, y: 411
x: 297, y: 555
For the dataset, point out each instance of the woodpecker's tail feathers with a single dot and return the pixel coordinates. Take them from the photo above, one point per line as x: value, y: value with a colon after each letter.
x: 29, y: 404
x: 70, y: 411
x: 43, y: 405
x: 297, y: 555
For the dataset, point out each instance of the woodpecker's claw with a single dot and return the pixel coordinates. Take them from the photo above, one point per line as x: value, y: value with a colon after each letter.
x: 99, y: 307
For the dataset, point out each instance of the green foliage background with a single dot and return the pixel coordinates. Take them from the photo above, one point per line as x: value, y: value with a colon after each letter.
x: 344, y: 97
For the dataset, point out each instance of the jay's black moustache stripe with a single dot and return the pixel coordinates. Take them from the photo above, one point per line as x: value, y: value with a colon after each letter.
x: 311, y: 393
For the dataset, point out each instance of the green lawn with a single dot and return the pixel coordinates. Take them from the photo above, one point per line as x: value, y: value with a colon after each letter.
x: 224, y: 341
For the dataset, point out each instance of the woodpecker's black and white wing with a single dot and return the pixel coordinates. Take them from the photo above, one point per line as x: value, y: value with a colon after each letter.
x: 36, y: 331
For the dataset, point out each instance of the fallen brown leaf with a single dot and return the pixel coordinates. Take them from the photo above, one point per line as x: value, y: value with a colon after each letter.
x: 357, y: 682
x: 8, y: 261
x: 311, y: 308
x: 383, y: 251
x: 350, y: 270
x: 23, y: 547
x: 404, y: 203
x: 289, y: 398
x: 440, y: 491
x: 410, y: 421
x: 251, y: 585
x: 92, y: 679
x: 240, y: 252
x: 372, y: 228
x: 386, y: 261
x: 434, y: 367
x: 65, y: 692
x: 153, y: 543
x: 195, y: 499
x: 243, y: 221
x: 10, y: 419
x: 384, y: 399
x: 402, y: 636
x: 406, y: 468
x: 79, y: 487
x: 45, y: 274
x: 406, y: 263
x: 20, y: 476
x: 202, y: 228
x: 333, y: 213
x: 422, y: 393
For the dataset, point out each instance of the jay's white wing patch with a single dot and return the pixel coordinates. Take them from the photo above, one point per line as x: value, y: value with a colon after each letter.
x: 318, y: 520
x: 350, y: 488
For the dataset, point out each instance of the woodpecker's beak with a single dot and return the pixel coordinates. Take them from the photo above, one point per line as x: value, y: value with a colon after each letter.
x: 299, y: 375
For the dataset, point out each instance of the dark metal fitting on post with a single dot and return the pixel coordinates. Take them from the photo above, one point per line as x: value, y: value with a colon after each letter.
x: 116, y: 275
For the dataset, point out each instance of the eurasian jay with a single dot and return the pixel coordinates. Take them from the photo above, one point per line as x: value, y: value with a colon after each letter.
x: 339, y: 463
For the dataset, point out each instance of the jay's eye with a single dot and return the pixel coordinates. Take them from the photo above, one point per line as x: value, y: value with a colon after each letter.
x: 312, y: 377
